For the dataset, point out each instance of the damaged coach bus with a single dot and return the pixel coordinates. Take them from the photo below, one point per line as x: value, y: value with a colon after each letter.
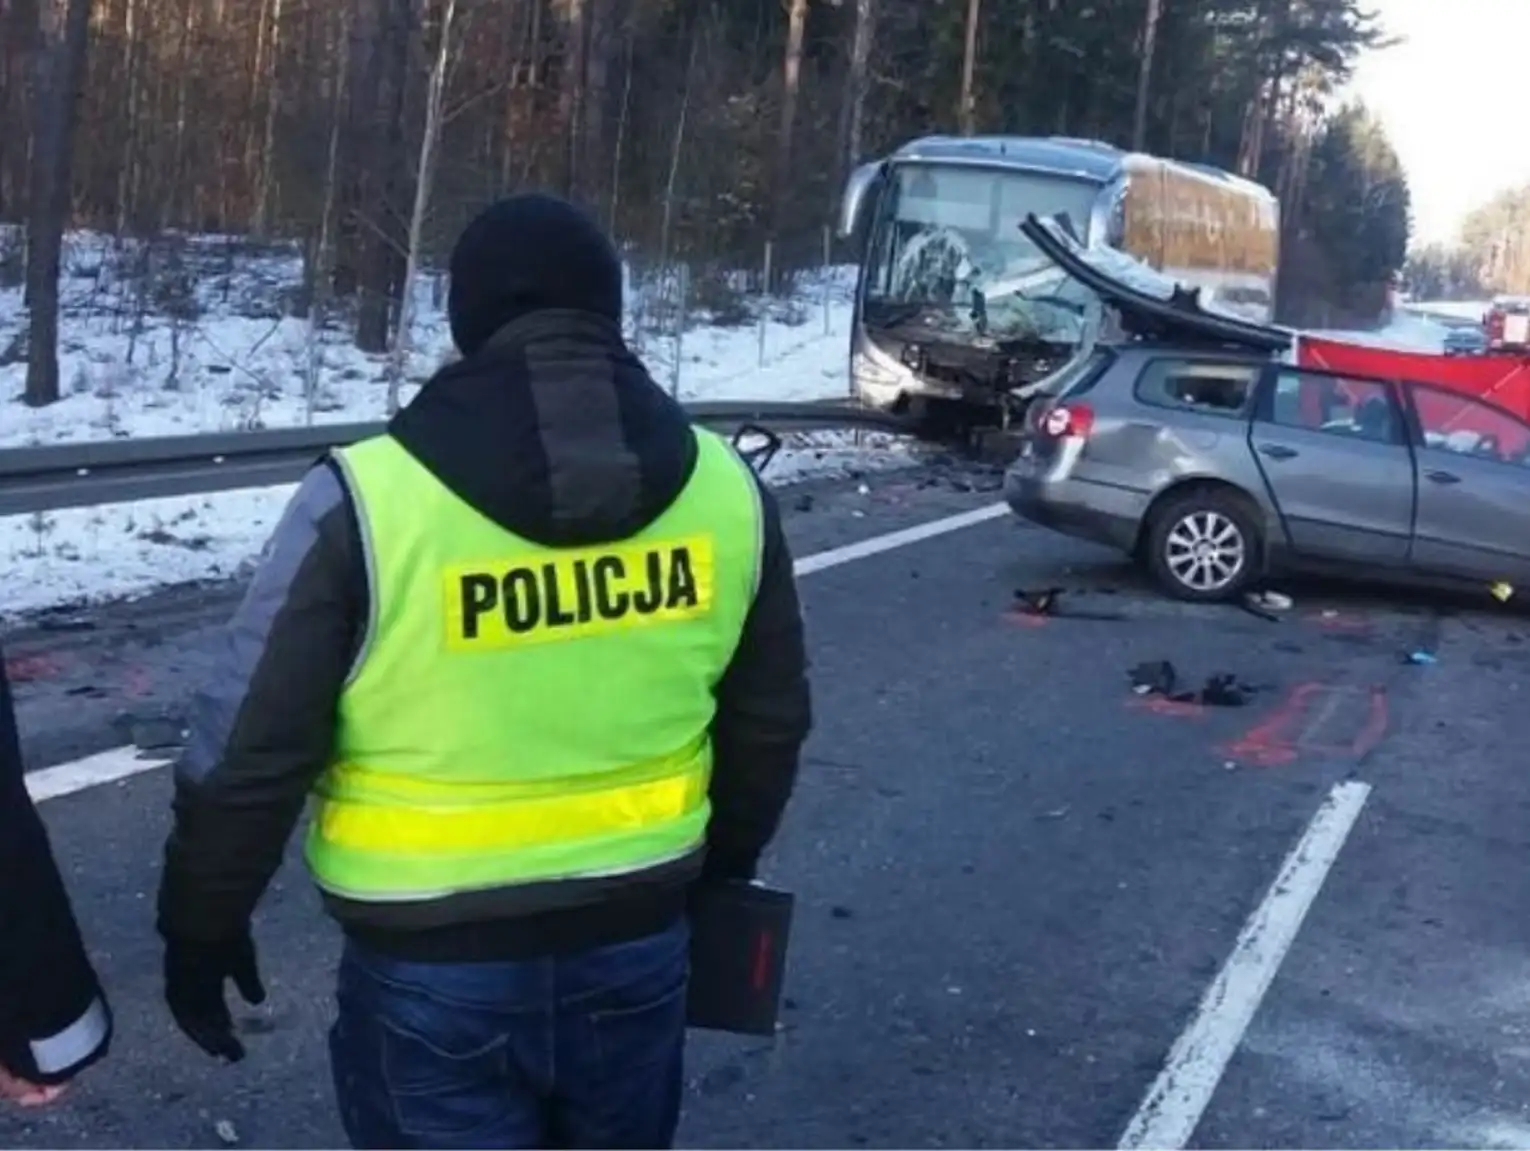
x: 955, y: 307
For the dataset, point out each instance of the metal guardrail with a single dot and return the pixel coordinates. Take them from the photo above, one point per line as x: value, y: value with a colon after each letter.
x: 117, y: 471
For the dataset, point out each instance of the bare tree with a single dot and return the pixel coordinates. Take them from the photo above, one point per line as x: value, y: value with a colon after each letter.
x: 1145, y: 73
x: 430, y: 143
x: 853, y: 105
x: 969, y: 67
x: 791, y: 85
x: 65, y: 34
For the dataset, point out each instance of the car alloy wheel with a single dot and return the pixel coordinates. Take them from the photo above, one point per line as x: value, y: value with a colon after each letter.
x: 1205, y: 551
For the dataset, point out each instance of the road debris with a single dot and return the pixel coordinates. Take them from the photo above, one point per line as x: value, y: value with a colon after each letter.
x: 227, y: 1134
x: 1502, y: 591
x: 1420, y: 657
x: 1046, y: 603
x: 1155, y: 677
x: 1267, y: 605
x: 1224, y: 690
x: 1037, y: 602
x: 1270, y: 600
x: 1221, y: 689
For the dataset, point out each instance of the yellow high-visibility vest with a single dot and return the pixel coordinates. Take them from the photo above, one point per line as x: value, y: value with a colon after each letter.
x: 523, y: 714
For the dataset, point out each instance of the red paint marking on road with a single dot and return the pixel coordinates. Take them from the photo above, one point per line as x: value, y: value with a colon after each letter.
x: 1344, y: 623
x: 1293, y: 728
x: 1272, y: 741
x: 1375, y: 728
x: 1025, y: 618
x: 1163, y: 705
x: 28, y: 668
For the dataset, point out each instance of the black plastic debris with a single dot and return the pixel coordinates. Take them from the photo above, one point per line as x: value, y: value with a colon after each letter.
x: 758, y: 455
x: 1049, y: 602
x: 1154, y: 677
x: 1221, y: 689
x: 1037, y: 602
x: 804, y: 502
x: 1224, y: 690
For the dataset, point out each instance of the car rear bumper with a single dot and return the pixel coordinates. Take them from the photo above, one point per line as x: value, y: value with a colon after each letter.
x: 1102, y: 513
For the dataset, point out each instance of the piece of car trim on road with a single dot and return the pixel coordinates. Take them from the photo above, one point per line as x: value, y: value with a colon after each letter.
x: 1173, y: 1106
x: 123, y: 762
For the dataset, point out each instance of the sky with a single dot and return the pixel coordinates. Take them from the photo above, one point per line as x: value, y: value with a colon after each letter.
x: 1452, y: 97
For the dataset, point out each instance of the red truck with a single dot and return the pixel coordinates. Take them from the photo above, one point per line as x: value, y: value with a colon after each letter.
x: 1508, y: 324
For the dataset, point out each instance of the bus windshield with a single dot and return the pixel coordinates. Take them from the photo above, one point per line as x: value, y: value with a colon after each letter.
x: 947, y: 248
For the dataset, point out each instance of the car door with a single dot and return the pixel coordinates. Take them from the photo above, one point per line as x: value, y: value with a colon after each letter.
x: 1473, y: 489
x: 1334, y: 454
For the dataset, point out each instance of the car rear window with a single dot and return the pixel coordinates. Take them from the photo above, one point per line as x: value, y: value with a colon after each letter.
x: 1205, y: 386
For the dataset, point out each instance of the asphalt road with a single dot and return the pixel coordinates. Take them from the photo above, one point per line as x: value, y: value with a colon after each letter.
x: 1016, y: 877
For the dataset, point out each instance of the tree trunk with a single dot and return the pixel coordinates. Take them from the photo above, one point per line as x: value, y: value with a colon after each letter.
x: 853, y: 106
x: 382, y: 249
x: 791, y: 85
x: 430, y: 140
x: 968, y: 113
x: 571, y: 92
x: 268, y: 131
x: 65, y: 28
x: 1145, y: 73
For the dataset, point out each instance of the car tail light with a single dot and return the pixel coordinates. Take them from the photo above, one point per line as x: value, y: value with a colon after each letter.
x: 1064, y: 420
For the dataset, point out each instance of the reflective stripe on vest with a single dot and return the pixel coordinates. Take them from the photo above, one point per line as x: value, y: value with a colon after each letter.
x: 523, y: 714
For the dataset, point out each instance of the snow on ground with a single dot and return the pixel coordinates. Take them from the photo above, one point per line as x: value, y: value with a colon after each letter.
x: 83, y: 555
x: 233, y: 359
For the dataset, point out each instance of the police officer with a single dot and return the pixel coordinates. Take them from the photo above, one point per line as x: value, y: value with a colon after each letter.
x: 538, y: 653
x: 54, y: 1020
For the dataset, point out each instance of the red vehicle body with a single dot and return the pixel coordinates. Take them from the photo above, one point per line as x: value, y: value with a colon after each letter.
x: 1498, y: 379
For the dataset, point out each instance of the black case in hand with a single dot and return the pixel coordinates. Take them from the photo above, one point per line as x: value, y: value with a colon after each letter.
x: 739, y: 936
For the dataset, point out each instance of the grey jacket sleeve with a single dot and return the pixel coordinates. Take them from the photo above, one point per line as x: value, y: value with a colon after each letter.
x: 262, y: 724
x: 764, y: 714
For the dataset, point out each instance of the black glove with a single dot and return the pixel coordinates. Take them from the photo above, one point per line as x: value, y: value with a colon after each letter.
x: 194, y: 974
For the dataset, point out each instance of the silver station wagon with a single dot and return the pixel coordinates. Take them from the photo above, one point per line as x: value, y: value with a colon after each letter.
x: 1198, y: 452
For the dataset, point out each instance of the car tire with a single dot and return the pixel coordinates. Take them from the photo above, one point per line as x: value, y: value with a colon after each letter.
x: 1204, y: 517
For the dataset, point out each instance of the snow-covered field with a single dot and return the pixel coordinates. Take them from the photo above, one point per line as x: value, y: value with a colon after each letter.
x: 203, y: 343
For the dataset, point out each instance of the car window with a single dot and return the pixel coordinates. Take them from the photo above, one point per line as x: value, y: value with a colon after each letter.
x: 1081, y: 375
x: 1205, y: 386
x: 1455, y: 423
x: 1336, y: 405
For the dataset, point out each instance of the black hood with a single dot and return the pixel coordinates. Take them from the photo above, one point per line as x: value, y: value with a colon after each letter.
x: 554, y: 430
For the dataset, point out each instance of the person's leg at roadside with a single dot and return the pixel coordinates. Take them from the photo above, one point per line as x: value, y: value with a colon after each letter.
x: 442, y: 1055
x: 621, y: 1043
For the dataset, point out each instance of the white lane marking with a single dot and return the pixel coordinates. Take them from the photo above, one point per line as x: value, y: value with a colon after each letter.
x: 124, y: 762
x: 878, y: 544
x: 1173, y: 1106
x: 92, y: 771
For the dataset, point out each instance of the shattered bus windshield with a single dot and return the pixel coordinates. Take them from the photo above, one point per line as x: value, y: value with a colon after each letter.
x: 948, y: 250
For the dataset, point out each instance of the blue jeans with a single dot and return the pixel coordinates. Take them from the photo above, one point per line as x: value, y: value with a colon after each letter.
x: 579, y: 1051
